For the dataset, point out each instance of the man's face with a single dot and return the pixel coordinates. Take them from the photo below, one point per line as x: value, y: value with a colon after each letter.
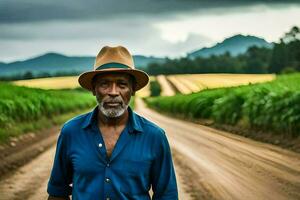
x: 113, y: 92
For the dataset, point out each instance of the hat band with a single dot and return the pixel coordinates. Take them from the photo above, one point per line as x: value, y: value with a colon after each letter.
x: 112, y: 65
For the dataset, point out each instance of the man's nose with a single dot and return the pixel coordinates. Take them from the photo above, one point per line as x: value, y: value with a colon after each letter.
x: 113, y: 90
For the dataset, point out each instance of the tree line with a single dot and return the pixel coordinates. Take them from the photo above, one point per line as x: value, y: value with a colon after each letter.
x: 283, y: 57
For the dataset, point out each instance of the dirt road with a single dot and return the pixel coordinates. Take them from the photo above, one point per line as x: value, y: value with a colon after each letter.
x: 29, y: 181
x: 219, y: 165
x: 210, y: 164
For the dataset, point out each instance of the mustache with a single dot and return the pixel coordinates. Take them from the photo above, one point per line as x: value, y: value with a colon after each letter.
x: 113, y: 100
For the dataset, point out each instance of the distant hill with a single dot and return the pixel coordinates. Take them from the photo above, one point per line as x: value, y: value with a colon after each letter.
x: 141, y: 62
x: 234, y: 45
x: 54, y: 62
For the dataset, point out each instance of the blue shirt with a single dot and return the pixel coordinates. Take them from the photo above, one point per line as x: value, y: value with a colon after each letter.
x: 141, y: 158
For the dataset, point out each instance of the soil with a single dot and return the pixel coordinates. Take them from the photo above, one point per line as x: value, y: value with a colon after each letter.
x: 220, y: 165
x: 20, y: 150
x: 286, y: 141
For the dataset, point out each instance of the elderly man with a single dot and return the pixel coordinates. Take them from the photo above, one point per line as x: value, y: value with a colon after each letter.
x: 112, y: 153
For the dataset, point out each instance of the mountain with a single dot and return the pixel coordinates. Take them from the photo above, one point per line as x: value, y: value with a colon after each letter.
x: 53, y: 62
x: 234, y: 45
x: 141, y: 62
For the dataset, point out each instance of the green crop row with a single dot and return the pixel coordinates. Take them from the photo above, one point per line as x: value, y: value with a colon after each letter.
x: 155, y: 88
x: 267, y: 106
x: 27, y: 105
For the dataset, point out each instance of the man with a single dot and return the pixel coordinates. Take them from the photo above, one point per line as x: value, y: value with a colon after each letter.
x: 112, y: 153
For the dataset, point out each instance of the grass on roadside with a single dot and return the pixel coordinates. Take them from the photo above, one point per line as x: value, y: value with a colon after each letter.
x: 24, y: 109
x: 272, y: 106
x: 40, y: 124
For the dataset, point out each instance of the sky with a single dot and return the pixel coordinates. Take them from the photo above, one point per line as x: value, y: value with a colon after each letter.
x: 161, y: 28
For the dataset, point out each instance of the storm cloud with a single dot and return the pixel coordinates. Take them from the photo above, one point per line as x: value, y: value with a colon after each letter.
x: 86, y: 37
x: 12, y: 11
x: 149, y: 27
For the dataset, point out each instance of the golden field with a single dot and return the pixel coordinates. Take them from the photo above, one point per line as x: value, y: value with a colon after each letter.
x: 184, y: 83
x: 65, y: 82
x: 188, y: 83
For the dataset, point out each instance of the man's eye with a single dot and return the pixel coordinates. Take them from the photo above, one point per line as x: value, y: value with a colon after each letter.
x: 103, y: 84
x: 123, y: 84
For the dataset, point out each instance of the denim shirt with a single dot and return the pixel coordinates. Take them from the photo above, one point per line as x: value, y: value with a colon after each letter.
x: 141, y: 159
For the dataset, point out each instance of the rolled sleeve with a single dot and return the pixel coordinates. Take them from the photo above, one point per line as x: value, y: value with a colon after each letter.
x: 163, y: 175
x: 61, y: 174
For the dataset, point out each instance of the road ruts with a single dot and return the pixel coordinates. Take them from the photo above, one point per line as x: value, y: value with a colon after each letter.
x: 29, y: 181
x: 220, y: 165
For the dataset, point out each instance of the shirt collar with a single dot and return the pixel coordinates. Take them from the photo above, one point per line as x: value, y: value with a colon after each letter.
x: 134, y: 122
x: 134, y: 125
x: 91, y: 116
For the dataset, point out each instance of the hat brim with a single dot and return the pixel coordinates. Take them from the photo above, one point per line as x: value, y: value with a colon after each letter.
x: 142, y: 79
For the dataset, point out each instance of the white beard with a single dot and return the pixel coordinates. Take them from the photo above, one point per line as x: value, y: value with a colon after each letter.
x: 113, y: 112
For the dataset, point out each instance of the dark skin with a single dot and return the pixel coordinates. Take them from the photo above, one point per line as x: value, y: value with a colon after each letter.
x: 107, y: 87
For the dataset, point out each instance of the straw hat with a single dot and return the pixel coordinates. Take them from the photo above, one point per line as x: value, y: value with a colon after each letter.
x: 114, y: 59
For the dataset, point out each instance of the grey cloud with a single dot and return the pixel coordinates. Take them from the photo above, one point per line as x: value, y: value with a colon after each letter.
x: 78, y: 27
x: 65, y: 30
x: 37, y: 10
x: 86, y: 38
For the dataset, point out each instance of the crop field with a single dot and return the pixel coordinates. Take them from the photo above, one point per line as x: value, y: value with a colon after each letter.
x: 28, y: 105
x: 67, y: 82
x: 273, y: 105
x: 166, y: 87
x: 145, y: 92
x: 185, y: 84
x: 190, y: 83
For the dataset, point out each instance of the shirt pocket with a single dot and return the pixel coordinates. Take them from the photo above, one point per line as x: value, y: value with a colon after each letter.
x: 140, y: 168
x: 135, y: 177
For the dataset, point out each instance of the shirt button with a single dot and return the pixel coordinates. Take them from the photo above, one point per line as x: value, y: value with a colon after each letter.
x: 100, y: 145
x: 107, y: 198
x: 107, y: 180
x: 107, y: 165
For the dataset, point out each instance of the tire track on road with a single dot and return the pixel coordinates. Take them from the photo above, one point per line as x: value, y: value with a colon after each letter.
x: 29, y: 181
x: 230, y: 166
